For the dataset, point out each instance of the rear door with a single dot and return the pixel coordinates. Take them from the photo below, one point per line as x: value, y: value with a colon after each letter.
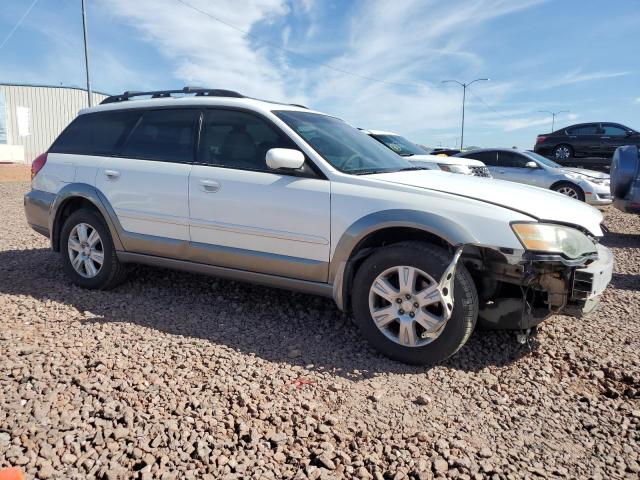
x: 147, y: 183
x: 585, y: 139
x: 247, y: 216
x: 489, y: 158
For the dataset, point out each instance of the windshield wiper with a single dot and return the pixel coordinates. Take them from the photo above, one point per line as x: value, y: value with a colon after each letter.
x: 411, y: 168
x: 407, y: 154
x: 367, y: 171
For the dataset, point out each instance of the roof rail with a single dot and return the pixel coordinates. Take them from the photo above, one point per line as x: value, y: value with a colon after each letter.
x: 197, y: 91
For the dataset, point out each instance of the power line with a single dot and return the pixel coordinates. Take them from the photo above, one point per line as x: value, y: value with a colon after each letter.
x: 17, y: 25
x: 299, y: 55
x: 477, y: 97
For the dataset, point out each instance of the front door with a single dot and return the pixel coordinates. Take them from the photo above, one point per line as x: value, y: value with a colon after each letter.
x: 513, y: 168
x: 244, y: 215
x: 147, y: 184
x: 613, y: 136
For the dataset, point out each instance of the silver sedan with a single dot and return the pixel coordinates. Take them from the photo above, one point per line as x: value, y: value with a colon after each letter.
x: 530, y: 168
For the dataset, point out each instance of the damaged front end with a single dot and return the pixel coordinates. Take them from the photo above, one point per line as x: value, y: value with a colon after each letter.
x: 517, y: 291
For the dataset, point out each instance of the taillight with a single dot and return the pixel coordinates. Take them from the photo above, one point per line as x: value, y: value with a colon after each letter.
x: 540, y: 139
x: 37, y: 164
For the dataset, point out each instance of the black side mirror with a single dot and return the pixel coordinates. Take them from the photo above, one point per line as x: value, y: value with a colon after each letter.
x: 630, y: 133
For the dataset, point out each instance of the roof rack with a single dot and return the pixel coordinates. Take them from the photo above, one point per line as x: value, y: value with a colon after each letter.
x: 198, y: 91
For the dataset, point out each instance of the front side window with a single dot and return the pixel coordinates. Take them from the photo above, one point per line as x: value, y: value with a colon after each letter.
x: 238, y: 140
x: 614, y: 130
x: 512, y: 160
x: 400, y: 145
x: 96, y: 133
x: 346, y: 148
x: 543, y: 160
x: 166, y: 135
x: 584, y: 130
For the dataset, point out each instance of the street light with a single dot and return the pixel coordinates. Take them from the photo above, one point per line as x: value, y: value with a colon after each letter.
x: 464, y: 97
x: 553, y: 116
x: 86, y: 51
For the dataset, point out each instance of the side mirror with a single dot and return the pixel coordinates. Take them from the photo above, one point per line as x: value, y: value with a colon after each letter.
x: 531, y: 164
x: 286, y: 158
x: 630, y: 133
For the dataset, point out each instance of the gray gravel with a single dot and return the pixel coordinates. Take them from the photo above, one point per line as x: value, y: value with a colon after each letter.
x: 174, y: 375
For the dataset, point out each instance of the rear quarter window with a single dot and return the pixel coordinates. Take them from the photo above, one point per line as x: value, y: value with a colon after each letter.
x: 96, y: 133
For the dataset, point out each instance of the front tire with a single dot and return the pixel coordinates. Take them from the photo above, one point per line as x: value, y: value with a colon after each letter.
x: 569, y: 189
x: 398, y: 310
x: 88, y: 256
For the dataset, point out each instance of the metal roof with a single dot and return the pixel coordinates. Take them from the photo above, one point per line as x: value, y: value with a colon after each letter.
x: 38, y: 85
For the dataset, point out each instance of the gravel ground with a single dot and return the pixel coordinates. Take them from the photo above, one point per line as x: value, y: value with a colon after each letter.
x: 174, y: 375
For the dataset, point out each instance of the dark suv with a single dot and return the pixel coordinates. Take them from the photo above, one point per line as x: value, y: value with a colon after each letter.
x: 595, y: 140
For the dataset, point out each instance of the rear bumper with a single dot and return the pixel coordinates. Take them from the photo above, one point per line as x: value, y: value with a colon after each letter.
x: 37, y: 208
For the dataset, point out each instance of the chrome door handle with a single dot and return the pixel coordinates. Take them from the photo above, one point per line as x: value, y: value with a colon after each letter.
x: 112, y: 174
x: 209, y: 186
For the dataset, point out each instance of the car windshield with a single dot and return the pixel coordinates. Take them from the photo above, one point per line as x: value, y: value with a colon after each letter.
x: 544, y: 160
x: 343, y: 146
x: 399, y: 144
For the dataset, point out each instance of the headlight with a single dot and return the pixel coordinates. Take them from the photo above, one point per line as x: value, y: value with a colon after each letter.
x: 455, y: 168
x: 545, y: 237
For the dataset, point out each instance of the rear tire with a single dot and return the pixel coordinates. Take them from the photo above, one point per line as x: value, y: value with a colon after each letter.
x: 88, y: 256
x: 569, y: 189
x: 432, y: 261
x: 562, y: 152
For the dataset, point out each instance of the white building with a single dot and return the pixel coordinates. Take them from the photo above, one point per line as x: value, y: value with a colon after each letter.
x: 32, y: 116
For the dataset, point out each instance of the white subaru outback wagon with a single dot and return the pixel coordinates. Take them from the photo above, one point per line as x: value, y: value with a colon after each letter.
x: 212, y: 182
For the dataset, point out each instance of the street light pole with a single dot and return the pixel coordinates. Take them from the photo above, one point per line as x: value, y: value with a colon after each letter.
x: 553, y: 116
x: 464, y: 98
x: 86, y: 52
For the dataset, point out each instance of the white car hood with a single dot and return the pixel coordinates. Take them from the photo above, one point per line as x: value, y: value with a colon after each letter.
x: 584, y: 171
x: 539, y: 203
x: 445, y: 160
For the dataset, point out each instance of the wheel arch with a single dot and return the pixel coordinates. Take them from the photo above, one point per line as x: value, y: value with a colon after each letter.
x: 80, y: 195
x: 386, y: 228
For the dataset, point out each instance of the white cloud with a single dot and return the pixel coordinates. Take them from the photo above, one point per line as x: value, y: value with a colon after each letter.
x: 204, y: 51
x: 577, y: 76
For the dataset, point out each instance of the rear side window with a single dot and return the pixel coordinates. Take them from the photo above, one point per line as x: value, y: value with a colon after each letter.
x: 488, y: 158
x: 165, y: 135
x: 583, y: 130
x: 96, y: 133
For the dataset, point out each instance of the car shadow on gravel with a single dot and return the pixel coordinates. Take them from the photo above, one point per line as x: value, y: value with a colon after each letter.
x: 626, y: 281
x: 275, y: 325
x: 621, y: 240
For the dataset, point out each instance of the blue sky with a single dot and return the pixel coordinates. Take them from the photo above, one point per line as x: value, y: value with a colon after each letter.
x: 576, y: 55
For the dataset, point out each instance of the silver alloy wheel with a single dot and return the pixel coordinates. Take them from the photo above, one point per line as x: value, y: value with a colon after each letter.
x: 563, y: 153
x: 569, y: 192
x: 407, y: 306
x: 85, y: 250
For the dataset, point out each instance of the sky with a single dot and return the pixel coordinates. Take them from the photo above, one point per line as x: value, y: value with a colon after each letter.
x: 378, y: 64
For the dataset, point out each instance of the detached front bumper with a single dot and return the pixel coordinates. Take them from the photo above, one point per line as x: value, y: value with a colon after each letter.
x: 543, y: 285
